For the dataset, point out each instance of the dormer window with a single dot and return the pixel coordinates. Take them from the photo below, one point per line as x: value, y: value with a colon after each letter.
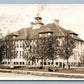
x: 14, y: 37
x: 40, y: 35
x: 49, y: 33
x: 15, y: 34
x: 45, y: 34
x: 71, y: 33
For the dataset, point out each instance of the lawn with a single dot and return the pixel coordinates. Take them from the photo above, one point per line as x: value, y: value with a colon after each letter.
x: 76, y: 71
x: 45, y: 69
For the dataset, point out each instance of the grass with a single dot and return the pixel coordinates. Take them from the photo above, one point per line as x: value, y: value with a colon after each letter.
x: 54, y: 75
x: 45, y: 69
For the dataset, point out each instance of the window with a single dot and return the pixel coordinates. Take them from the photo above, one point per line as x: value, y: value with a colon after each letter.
x: 14, y: 62
x: 3, y: 62
x: 45, y: 34
x: 29, y: 63
x: 75, y: 55
x: 74, y: 63
x: 40, y: 35
x: 49, y: 33
x: 20, y: 62
x: 37, y: 60
x: 48, y: 63
x: 52, y: 63
x: 23, y: 63
x: 71, y: 63
x: 8, y: 62
x: 56, y: 63
x: 41, y: 63
x: 77, y: 44
x: 79, y: 63
x: 44, y: 63
x: 14, y: 37
x: 81, y: 45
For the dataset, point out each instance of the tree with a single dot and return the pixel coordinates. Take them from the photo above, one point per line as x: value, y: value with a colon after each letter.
x: 7, y: 49
x: 66, y: 49
x: 82, y: 58
x: 48, y: 48
x: 1, y: 52
x: 31, y: 50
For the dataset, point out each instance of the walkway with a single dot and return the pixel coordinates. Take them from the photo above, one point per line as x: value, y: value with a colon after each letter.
x: 39, y: 73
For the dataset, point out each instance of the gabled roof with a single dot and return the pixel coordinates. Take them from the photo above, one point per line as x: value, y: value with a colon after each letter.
x: 34, y: 33
x: 52, y: 27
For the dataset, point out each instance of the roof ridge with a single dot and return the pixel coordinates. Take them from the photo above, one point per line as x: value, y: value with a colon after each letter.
x: 60, y: 29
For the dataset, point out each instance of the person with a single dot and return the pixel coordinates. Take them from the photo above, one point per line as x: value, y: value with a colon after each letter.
x: 63, y: 65
x: 49, y: 69
x: 68, y: 66
x: 55, y: 68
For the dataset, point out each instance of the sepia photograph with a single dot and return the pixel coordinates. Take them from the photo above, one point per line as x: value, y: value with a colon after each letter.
x: 41, y: 41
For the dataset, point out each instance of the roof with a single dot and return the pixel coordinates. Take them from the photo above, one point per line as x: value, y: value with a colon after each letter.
x: 14, y: 34
x: 45, y: 29
x: 38, y: 16
x: 22, y: 33
x: 52, y: 27
x: 34, y: 33
x: 71, y: 32
x: 79, y: 39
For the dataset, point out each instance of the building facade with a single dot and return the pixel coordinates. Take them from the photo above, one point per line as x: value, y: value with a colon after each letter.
x: 28, y: 38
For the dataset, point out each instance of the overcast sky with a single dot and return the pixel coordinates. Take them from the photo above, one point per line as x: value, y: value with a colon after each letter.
x: 16, y: 16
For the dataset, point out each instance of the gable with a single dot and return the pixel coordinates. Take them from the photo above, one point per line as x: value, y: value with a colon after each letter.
x: 34, y: 33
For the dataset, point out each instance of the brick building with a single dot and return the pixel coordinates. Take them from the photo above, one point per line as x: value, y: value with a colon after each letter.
x: 39, y: 30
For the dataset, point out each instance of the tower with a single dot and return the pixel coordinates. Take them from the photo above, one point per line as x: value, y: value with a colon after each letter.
x: 38, y: 22
x: 38, y: 19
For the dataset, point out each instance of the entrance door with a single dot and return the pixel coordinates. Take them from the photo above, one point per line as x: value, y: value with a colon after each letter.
x: 60, y: 64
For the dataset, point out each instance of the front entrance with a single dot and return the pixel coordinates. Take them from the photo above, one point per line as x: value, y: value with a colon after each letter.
x: 60, y: 64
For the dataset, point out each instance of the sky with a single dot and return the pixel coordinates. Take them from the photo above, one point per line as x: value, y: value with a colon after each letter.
x: 16, y: 16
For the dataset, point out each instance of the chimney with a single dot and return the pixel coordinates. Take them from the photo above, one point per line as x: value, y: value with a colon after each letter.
x: 56, y: 21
